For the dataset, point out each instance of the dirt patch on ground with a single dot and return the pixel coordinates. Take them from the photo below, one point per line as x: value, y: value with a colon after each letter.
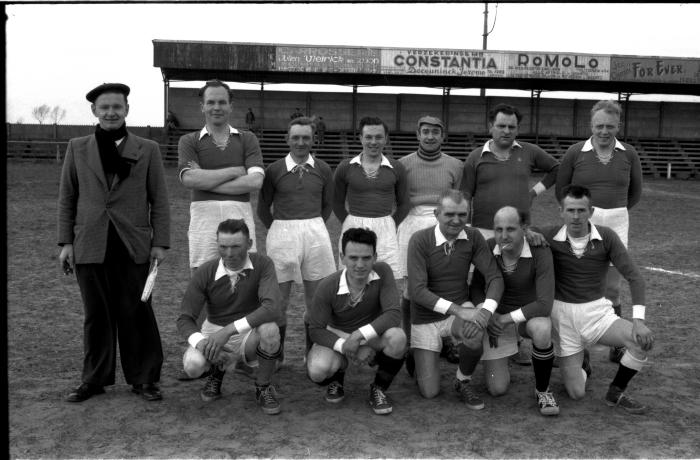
x: 45, y: 353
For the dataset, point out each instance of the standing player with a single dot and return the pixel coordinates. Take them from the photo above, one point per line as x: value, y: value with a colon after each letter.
x: 613, y: 173
x: 438, y: 266
x: 221, y: 166
x: 299, y: 189
x: 239, y: 293
x: 354, y: 314
x: 429, y: 172
x: 375, y: 189
x: 498, y: 173
x: 581, y: 315
x: 528, y: 277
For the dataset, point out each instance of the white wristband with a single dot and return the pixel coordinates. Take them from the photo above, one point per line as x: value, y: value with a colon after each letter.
x: 490, y: 305
x: 242, y: 325
x: 538, y: 188
x: 518, y: 316
x: 194, y: 339
x: 338, y: 345
x: 638, y: 311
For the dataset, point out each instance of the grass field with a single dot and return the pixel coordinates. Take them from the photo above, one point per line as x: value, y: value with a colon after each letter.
x: 45, y: 355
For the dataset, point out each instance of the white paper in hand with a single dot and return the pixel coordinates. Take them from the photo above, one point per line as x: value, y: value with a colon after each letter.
x: 150, y: 281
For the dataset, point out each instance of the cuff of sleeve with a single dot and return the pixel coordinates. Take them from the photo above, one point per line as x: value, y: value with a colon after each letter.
x: 255, y: 169
x: 638, y: 311
x: 242, y: 325
x: 368, y: 332
x: 490, y: 305
x: 182, y: 171
x: 338, y: 345
x: 538, y: 188
x: 442, y: 305
x: 518, y: 316
x: 194, y: 339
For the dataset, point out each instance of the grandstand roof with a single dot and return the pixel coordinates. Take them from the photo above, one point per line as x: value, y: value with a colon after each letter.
x: 425, y: 67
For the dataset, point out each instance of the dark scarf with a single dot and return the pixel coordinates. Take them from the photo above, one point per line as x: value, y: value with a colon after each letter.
x: 429, y: 156
x: 112, y: 161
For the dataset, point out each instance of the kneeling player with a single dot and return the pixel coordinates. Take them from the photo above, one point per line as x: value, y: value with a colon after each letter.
x: 581, y: 315
x: 242, y: 300
x: 528, y: 277
x: 355, y: 313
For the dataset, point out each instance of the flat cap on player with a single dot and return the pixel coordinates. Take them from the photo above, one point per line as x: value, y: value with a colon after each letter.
x: 428, y: 120
x: 107, y: 88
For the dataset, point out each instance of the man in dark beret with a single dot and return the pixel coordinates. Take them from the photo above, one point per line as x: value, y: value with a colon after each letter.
x: 113, y: 223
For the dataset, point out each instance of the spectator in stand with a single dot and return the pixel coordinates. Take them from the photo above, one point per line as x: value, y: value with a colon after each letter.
x: 250, y: 119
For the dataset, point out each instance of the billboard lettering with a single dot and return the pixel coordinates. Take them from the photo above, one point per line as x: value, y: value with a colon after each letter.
x: 442, y: 62
x: 655, y: 70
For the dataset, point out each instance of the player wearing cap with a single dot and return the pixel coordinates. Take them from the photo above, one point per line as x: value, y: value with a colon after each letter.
x: 299, y: 189
x: 375, y: 189
x: 429, y: 172
x: 354, y: 314
x: 113, y: 220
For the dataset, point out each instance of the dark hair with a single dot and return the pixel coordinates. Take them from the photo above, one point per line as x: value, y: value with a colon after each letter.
x: 373, y: 121
x: 455, y: 195
x: 303, y: 121
x: 215, y: 84
x: 359, y: 235
x: 504, y: 109
x: 575, y: 191
x: 233, y: 226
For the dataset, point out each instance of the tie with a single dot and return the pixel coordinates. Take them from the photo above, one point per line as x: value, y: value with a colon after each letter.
x: 449, y: 247
x: 300, y: 169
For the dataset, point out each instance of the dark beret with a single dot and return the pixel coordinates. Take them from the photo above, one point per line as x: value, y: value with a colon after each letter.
x: 107, y: 88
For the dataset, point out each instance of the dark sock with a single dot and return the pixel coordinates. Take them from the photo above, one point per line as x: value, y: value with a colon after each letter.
x: 623, y: 377
x: 339, y: 377
x: 283, y: 334
x: 406, y: 318
x: 469, y: 358
x: 307, y: 336
x: 387, y: 368
x: 542, y: 361
x: 266, y: 365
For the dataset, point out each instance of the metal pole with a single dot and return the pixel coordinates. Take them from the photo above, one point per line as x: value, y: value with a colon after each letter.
x: 627, y: 107
x: 262, y: 108
x: 485, y: 37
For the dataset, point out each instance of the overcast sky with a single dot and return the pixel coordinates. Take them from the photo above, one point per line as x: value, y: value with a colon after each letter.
x: 56, y: 53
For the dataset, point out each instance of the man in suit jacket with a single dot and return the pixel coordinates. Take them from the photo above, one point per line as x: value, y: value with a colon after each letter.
x: 113, y: 220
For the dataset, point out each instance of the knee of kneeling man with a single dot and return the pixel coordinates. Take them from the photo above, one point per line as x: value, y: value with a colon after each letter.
x: 396, y: 340
x: 317, y: 371
x: 576, y: 393
x: 269, y: 333
x: 194, y: 363
x: 497, y: 389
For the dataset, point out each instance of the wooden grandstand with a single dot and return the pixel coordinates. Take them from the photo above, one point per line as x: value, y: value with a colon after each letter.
x: 683, y: 155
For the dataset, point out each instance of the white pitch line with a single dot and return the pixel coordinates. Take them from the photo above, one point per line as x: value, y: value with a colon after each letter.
x: 673, y: 272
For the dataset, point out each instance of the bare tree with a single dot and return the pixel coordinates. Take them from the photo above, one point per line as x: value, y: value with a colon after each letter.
x: 41, y: 112
x: 57, y: 114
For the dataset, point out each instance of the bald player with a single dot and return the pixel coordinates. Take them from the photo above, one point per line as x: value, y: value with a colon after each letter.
x: 528, y: 277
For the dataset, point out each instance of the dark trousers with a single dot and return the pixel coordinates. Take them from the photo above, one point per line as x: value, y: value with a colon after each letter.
x: 111, y: 294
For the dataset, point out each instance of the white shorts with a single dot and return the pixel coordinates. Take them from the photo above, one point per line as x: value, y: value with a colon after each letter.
x: 205, y: 217
x: 387, y: 244
x: 507, y: 344
x: 429, y: 336
x: 418, y: 218
x: 578, y: 325
x: 617, y: 219
x: 236, y: 343
x: 301, y: 249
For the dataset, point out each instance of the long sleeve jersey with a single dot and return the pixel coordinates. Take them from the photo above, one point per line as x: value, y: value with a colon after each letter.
x: 377, y: 311
x: 436, y: 279
x: 492, y: 184
x: 256, y: 296
x: 302, y: 194
x: 529, y: 288
x: 617, y: 184
x: 375, y: 197
x: 427, y: 179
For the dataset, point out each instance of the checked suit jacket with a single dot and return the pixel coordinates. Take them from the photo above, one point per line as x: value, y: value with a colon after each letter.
x: 137, y: 206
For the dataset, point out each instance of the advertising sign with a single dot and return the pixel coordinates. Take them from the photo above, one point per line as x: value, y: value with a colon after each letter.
x: 327, y: 59
x: 448, y: 62
x: 558, y: 66
x: 655, y: 69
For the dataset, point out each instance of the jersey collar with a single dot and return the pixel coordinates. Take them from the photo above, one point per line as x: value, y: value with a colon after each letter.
x: 222, y: 271
x: 205, y: 132
x: 343, y: 283
x: 290, y: 163
x: 561, y: 234
x: 440, y: 238
x: 385, y: 161
x: 588, y: 145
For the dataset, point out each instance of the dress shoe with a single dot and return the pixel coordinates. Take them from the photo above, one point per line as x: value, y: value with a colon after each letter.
x: 84, y: 391
x: 149, y: 391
